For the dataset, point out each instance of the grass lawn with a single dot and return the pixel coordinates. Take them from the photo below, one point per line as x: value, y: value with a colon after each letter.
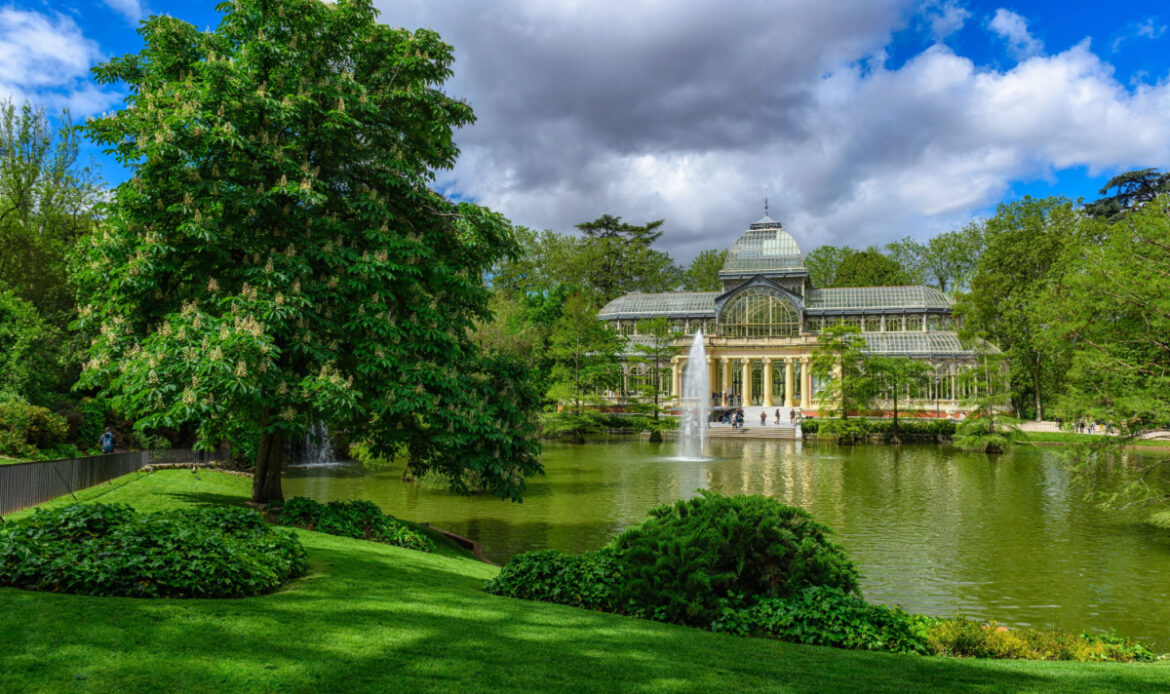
x: 375, y: 618
x: 1070, y: 437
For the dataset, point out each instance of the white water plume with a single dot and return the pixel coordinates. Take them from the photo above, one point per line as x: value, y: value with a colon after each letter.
x: 696, y: 402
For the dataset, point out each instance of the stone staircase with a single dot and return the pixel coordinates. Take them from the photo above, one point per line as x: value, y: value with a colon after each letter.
x: 771, y: 431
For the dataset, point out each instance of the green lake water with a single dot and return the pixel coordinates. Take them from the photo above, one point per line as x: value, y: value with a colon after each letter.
x: 931, y: 529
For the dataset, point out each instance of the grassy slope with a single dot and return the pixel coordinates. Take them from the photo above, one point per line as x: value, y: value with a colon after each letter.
x: 1072, y: 437
x: 374, y: 618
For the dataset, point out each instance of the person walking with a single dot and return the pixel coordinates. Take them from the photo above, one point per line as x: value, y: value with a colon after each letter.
x: 777, y: 415
x: 107, y: 441
x: 763, y: 418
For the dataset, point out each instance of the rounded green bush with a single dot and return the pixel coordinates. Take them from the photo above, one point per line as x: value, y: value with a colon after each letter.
x: 99, y: 549
x: 694, y: 558
x: 358, y: 519
x: 587, y: 580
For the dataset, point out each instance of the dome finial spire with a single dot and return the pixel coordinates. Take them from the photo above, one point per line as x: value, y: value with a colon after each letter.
x: 765, y: 201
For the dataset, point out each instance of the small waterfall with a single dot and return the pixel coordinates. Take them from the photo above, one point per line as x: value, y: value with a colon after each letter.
x: 318, y: 447
x: 696, y: 402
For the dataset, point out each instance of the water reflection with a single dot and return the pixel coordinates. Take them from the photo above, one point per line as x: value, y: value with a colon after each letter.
x: 934, y: 530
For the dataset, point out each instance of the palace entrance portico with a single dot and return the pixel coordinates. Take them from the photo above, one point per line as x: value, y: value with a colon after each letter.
x: 770, y: 375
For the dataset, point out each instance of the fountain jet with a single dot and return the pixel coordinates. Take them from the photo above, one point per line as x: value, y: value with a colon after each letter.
x: 696, y: 402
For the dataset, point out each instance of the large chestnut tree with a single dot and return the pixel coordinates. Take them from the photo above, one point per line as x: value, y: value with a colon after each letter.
x: 280, y: 257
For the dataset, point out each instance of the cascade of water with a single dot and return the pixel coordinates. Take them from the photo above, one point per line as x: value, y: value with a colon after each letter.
x: 696, y: 401
x: 318, y: 447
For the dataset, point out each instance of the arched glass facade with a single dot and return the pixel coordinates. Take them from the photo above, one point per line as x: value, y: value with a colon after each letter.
x: 759, y: 312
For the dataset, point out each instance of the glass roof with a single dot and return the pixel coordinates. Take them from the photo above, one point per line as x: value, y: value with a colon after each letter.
x: 917, y: 343
x: 765, y: 246
x: 681, y: 304
x: 876, y: 297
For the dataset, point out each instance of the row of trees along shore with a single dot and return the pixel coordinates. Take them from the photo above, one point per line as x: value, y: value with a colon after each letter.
x: 280, y: 257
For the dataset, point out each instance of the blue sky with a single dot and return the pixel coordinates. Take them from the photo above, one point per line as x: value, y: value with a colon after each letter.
x: 867, y: 120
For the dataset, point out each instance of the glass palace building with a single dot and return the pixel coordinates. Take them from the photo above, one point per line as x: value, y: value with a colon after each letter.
x: 761, y: 329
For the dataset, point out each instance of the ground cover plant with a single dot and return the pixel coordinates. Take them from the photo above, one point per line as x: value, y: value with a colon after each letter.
x: 373, y: 618
x: 109, y: 549
x: 358, y: 519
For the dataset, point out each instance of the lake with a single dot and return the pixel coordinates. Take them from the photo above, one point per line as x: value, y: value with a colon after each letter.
x: 931, y: 528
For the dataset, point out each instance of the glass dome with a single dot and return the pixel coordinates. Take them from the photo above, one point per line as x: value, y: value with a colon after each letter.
x: 764, y: 247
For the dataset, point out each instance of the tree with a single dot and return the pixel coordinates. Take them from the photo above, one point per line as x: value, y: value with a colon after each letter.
x: 1132, y: 189
x: 279, y: 258
x: 909, y: 255
x: 620, y: 258
x: 869, y: 268
x: 895, y: 376
x: 654, y: 350
x: 1028, y: 242
x: 949, y: 259
x: 986, y: 429
x: 584, y: 355
x: 839, y: 365
x: 823, y: 261
x: 47, y: 201
x: 703, y: 273
x: 28, y: 363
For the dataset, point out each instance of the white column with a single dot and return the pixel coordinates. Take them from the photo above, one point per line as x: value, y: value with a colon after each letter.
x: 676, y: 376
x: 767, y: 381
x: 788, y: 376
x: 747, y: 382
x: 806, y: 394
x: 726, y: 380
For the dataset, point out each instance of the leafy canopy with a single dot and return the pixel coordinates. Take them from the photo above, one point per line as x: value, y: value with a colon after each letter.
x: 279, y: 256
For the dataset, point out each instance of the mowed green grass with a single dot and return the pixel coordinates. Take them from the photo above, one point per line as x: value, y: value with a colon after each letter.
x: 1072, y: 437
x: 373, y: 618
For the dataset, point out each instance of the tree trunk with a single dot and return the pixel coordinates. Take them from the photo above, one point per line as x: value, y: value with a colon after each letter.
x: 1036, y: 389
x: 655, y: 436
x: 266, y: 476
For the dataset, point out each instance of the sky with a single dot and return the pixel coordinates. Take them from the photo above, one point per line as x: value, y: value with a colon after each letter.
x: 864, y: 120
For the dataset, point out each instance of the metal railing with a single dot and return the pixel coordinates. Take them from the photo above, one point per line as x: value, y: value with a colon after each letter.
x: 28, y: 484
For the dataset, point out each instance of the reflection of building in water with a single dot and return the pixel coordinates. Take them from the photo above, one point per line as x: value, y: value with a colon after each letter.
x: 762, y: 327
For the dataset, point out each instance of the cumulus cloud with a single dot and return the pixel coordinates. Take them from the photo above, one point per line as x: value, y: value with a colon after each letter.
x: 132, y: 10
x: 944, y: 17
x: 656, y: 110
x: 45, y: 59
x: 1013, y: 29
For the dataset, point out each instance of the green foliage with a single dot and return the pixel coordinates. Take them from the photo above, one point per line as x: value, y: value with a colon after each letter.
x: 583, y: 352
x: 968, y: 638
x: 359, y: 519
x: 278, y: 256
x: 1029, y: 245
x: 895, y: 376
x: 623, y: 260
x: 30, y: 367
x: 839, y: 364
x: 844, y: 431
x: 1131, y: 190
x: 691, y: 559
x: 869, y: 268
x: 214, y: 552
x: 702, y: 275
x: 824, y: 616
x: 93, y: 422
x: 575, y: 425
x: 590, y: 580
x: 24, y: 428
x: 986, y: 434
x: 822, y: 263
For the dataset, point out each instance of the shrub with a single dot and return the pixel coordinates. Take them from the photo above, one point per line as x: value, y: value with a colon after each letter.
x: 589, y: 580
x: 963, y: 637
x: 845, y: 431
x: 216, y: 552
x: 825, y: 616
x: 24, y: 428
x: 359, y: 519
x: 692, y: 559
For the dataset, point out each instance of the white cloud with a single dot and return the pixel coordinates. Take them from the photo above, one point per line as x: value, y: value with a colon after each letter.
x: 1013, y: 29
x: 1148, y: 28
x: 132, y: 10
x: 46, y: 59
x: 658, y: 113
x: 945, y: 17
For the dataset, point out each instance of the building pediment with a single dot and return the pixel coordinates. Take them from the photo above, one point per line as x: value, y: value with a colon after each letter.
x: 759, y: 281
